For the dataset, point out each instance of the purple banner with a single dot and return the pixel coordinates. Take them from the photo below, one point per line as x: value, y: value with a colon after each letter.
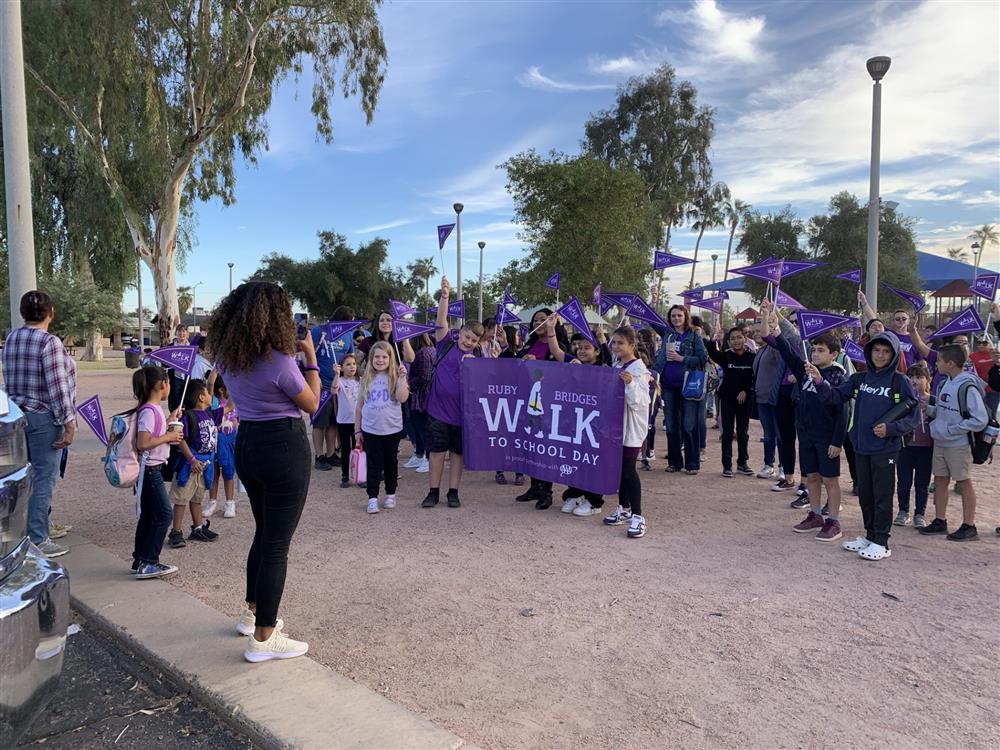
x: 813, y: 323
x: 324, y: 398
x: 641, y: 310
x: 792, y: 267
x: 781, y: 299
x: 400, y: 310
x: 854, y: 351
x: 552, y: 421
x: 769, y: 271
x: 444, y: 230
x: 693, y: 294
x: 712, y: 303
x: 553, y: 282
x: 985, y: 285
x: 916, y: 300
x: 596, y: 300
x: 852, y: 276
x: 93, y: 415
x: 180, y: 358
x: 338, y: 329
x: 505, y: 317
x: 573, y: 314
x: 967, y: 321
x: 508, y: 298
x: 456, y: 309
x: 667, y: 260
x: 404, y: 329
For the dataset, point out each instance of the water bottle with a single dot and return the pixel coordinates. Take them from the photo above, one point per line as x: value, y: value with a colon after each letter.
x: 990, y: 433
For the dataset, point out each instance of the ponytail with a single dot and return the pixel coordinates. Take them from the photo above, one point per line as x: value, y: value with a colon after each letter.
x: 144, y: 382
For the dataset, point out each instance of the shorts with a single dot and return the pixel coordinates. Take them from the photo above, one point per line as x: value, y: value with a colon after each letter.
x: 225, y: 456
x: 192, y: 492
x: 443, y: 437
x: 953, y: 462
x: 327, y: 416
x: 814, y: 459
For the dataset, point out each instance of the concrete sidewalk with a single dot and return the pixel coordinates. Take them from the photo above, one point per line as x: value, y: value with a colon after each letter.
x: 283, y: 704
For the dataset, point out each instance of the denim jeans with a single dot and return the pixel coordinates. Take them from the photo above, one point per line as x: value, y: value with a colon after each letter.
x: 156, y: 514
x: 913, y: 471
x: 41, y: 433
x: 769, y: 423
x: 680, y: 422
x: 418, y: 419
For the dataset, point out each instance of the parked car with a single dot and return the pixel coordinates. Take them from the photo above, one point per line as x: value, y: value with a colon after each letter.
x: 34, y: 592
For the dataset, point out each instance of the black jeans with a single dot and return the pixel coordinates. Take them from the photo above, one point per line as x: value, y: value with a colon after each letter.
x: 914, y: 460
x: 273, y: 460
x: 851, y: 459
x: 630, y: 488
x: 735, y: 415
x: 876, y: 482
x: 346, y: 434
x: 786, y: 431
x: 382, y: 452
x: 156, y: 515
x: 419, y: 421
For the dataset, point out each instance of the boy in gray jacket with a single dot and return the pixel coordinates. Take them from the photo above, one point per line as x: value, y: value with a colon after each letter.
x: 951, y: 429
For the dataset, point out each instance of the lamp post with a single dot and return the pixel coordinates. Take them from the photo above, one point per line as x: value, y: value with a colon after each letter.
x: 482, y: 246
x: 194, y: 303
x: 877, y: 68
x: 230, y: 276
x: 715, y: 257
x: 458, y: 243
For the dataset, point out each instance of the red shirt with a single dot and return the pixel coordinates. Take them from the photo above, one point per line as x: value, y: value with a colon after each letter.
x: 982, y: 361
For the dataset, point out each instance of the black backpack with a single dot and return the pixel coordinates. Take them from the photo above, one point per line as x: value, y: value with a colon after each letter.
x: 981, y: 443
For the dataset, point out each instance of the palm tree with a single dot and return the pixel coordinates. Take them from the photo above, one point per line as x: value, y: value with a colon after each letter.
x: 423, y: 269
x: 184, y: 299
x: 735, y: 212
x: 985, y: 235
x: 707, y: 211
x: 958, y: 253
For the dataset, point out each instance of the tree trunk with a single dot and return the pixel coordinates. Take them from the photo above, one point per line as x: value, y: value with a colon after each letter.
x: 160, y: 257
x: 696, y: 244
x: 116, y: 339
x: 94, y: 351
x: 729, y: 250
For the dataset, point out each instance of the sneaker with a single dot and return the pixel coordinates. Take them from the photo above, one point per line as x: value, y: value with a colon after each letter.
x: 390, y: 502
x: 637, y: 528
x: 875, y: 552
x: 414, y: 462
x: 202, y: 534
x: 229, y: 509
x: 500, y: 478
x: 454, y: 502
x: 570, y: 505
x: 278, y: 646
x: 964, y: 533
x: 727, y: 473
x: 811, y: 522
x: 519, y: 480
x: 431, y: 500
x: 373, y: 505
x: 825, y: 510
x: 783, y: 485
x: 650, y: 456
x: 209, y: 508
x: 50, y: 549
x: 830, y: 532
x: 919, y: 522
x: 902, y: 518
x: 322, y: 464
x: 544, y: 502
x: 644, y: 462
x: 937, y: 526
x: 585, y: 510
x: 154, y: 570
x: 799, y: 503
x: 854, y: 490
x: 425, y: 466
x: 527, y: 497
x: 619, y: 517
x: 248, y: 621
x: 766, y: 473
x: 175, y: 539
x: 59, y: 530
x: 744, y: 470
x: 691, y: 472
x: 856, y: 545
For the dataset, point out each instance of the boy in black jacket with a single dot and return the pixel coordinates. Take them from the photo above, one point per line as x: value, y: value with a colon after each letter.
x: 735, y: 397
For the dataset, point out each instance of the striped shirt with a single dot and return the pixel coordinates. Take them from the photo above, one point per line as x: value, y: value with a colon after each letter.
x: 39, y: 374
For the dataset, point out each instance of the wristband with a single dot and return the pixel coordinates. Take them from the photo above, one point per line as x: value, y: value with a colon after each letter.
x: 310, y: 368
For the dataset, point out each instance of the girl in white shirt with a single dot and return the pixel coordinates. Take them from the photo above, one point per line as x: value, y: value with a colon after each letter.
x: 346, y: 387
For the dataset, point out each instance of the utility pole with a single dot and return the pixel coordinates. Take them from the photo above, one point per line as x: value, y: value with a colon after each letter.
x: 458, y: 241
x: 877, y: 68
x: 482, y: 246
x: 138, y: 286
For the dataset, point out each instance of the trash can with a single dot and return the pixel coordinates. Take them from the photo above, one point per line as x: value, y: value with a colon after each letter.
x: 132, y: 357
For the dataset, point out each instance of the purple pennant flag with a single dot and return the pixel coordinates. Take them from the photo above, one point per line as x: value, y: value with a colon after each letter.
x: 916, y: 300
x: 93, y: 415
x: 180, y: 358
x: 553, y: 282
x: 573, y: 313
x: 505, y: 317
x: 324, y: 398
x: 852, y: 276
x: 967, y: 321
x: 606, y: 305
x: 668, y: 260
x: 622, y: 299
x: 985, y: 285
x: 782, y: 299
x: 400, y: 310
x: 523, y: 330
x: 693, y: 294
x: 854, y: 351
x: 813, y: 323
x: 641, y: 310
x: 508, y: 298
x: 340, y: 328
x: 456, y: 309
x: 638, y: 325
x: 712, y: 303
x: 444, y: 230
x: 596, y: 300
x: 769, y: 271
x: 404, y: 329
x: 792, y: 267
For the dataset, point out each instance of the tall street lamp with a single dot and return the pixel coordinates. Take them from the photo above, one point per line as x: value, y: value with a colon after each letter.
x: 230, y: 276
x: 482, y: 246
x: 877, y: 68
x: 715, y: 257
x: 458, y: 242
x: 194, y: 303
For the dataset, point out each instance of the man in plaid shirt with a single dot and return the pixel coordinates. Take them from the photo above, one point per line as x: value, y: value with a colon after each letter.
x: 40, y: 377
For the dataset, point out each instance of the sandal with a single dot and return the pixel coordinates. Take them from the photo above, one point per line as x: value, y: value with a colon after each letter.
x: 875, y: 552
x: 856, y: 545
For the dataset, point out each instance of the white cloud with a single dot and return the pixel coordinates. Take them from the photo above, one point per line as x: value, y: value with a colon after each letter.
x: 718, y: 33
x: 533, y: 78
x: 628, y: 65
x: 383, y: 227
x: 987, y: 198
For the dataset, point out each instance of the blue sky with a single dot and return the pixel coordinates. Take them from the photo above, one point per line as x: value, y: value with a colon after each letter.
x: 470, y: 84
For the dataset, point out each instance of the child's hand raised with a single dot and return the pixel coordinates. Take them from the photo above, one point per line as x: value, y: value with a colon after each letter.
x: 813, y: 373
x: 445, y: 287
x: 401, y: 373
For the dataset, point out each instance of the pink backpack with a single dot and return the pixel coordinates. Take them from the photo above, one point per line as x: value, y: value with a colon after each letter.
x: 122, y: 460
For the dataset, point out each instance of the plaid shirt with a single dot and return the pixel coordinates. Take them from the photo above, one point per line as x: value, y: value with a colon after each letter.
x: 39, y: 374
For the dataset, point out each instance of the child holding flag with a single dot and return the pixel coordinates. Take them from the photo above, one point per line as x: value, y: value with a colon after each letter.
x: 196, y: 471
x: 346, y: 387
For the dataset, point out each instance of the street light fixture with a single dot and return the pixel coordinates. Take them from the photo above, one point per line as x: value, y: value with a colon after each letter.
x: 877, y: 68
x: 194, y: 303
x: 458, y: 243
x: 715, y: 257
x: 230, y: 276
x: 482, y: 246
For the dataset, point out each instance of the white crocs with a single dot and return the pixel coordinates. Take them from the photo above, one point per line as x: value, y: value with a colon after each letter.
x: 875, y: 552
x: 856, y: 545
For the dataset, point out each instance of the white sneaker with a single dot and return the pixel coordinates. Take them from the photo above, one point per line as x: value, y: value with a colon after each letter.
x: 766, y: 473
x: 209, y: 508
x: 414, y: 462
x: 248, y: 621
x: 373, y: 505
x: 875, y: 552
x: 585, y: 510
x: 856, y: 545
x: 425, y: 466
x: 278, y: 646
x: 229, y: 510
x: 570, y: 505
x: 50, y: 549
x: 637, y: 528
x: 390, y: 502
x: 59, y: 530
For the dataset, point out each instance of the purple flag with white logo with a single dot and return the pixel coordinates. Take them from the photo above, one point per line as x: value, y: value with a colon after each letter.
x: 180, y: 358
x: 813, y: 323
x: 852, y: 276
x: 770, y: 271
x: 606, y: 305
x: 916, y: 300
x: 400, y: 310
x: 444, y: 230
x: 638, y: 325
x: 792, y: 267
x: 573, y: 313
x: 641, y: 310
x: 523, y: 330
x: 967, y: 321
x: 985, y: 285
x: 622, y: 299
x: 553, y: 282
x: 508, y: 298
x: 782, y: 299
x: 340, y: 328
x: 404, y: 329
x: 596, y: 300
x: 854, y: 351
x: 505, y: 317
x: 456, y: 309
x: 712, y: 303
x: 552, y: 422
x: 93, y: 415
x: 324, y: 398
x: 668, y: 260
x: 693, y: 294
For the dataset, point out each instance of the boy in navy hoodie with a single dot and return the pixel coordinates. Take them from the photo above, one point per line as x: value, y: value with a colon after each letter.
x: 877, y: 437
x: 821, y: 428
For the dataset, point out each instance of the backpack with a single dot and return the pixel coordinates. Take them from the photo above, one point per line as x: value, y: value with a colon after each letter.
x: 981, y: 443
x: 122, y: 459
x: 901, y: 405
x: 175, y: 458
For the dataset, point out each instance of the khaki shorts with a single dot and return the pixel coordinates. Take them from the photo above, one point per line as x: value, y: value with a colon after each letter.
x: 953, y: 462
x: 192, y: 492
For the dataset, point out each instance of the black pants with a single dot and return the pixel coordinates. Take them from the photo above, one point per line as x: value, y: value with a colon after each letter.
x: 273, y: 460
x: 785, y: 412
x: 876, y: 483
x: 382, y: 452
x: 346, y: 434
x: 851, y: 459
x: 738, y: 416
x: 540, y: 488
x: 630, y: 489
x: 913, y: 469
x: 595, y: 500
x: 156, y: 515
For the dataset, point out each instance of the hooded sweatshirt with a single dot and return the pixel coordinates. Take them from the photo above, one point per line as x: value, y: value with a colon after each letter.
x: 636, y: 404
x: 948, y: 428
x: 875, y: 398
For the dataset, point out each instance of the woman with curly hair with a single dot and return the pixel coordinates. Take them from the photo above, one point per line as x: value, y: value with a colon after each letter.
x: 254, y: 344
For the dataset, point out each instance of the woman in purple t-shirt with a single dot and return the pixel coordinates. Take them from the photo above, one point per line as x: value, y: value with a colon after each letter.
x: 254, y: 344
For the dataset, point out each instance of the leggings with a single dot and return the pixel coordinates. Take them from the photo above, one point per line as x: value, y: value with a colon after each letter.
x: 418, y: 420
x: 630, y: 489
x: 382, y: 453
x: 346, y: 433
x: 654, y: 409
x: 272, y: 460
x: 914, y: 461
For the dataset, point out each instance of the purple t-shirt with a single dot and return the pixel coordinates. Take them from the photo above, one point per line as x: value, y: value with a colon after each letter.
x: 445, y: 400
x: 266, y: 390
x: 909, y: 352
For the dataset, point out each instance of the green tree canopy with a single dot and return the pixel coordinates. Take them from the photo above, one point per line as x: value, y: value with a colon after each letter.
x: 80, y: 307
